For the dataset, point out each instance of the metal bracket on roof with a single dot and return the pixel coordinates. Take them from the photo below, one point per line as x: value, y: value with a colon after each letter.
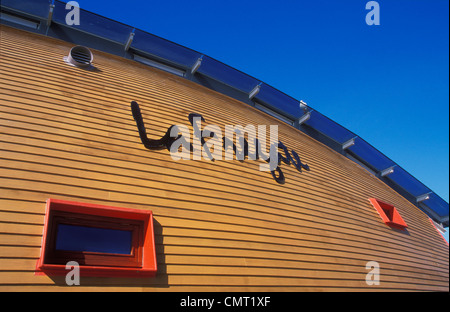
x: 304, y: 118
x: 423, y: 197
x: 50, y: 14
x: 349, y: 143
x: 255, y: 91
x: 303, y: 106
x: 130, y: 40
x: 387, y: 171
x: 306, y: 113
x: 439, y: 226
x: 197, y: 65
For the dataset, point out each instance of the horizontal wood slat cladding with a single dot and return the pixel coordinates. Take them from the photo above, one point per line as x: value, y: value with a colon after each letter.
x: 68, y: 133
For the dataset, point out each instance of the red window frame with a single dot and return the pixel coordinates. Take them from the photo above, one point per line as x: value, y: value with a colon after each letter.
x: 134, y: 259
x: 389, y: 214
x: 140, y: 262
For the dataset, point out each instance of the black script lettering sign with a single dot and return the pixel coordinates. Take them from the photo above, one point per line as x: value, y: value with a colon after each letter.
x: 287, y: 158
x: 199, y: 135
x: 167, y: 140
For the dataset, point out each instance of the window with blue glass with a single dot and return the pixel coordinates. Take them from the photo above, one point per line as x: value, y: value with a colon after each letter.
x: 105, y: 241
x: 94, y: 240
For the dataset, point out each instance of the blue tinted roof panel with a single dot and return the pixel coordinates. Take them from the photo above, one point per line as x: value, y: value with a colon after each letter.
x: 329, y: 128
x: 38, y: 8
x: 370, y: 155
x: 228, y: 75
x: 408, y: 182
x: 438, y: 205
x: 279, y: 101
x: 164, y: 49
x: 94, y: 24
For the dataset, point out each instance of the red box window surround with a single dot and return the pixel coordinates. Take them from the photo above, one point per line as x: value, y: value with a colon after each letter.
x: 106, y: 241
x: 389, y: 214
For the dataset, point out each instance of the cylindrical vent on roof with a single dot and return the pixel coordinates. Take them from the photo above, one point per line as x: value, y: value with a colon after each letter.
x: 80, y: 56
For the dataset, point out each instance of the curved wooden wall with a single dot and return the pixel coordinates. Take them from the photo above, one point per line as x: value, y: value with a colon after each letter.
x: 68, y: 133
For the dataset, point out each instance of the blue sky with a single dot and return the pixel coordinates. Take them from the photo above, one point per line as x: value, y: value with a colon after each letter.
x: 387, y: 83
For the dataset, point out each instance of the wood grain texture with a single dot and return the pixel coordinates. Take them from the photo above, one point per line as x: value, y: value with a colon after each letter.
x: 68, y: 133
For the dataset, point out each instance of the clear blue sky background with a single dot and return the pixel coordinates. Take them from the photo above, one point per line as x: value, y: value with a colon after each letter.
x: 389, y: 84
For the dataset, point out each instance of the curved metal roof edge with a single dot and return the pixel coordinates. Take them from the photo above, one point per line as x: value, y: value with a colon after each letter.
x: 48, y: 16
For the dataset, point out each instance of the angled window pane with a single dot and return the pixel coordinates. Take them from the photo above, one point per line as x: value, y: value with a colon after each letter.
x: 38, y: 8
x: 164, y: 49
x: 408, y: 182
x: 18, y: 20
x: 329, y: 128
x: 94, y: 24
x: 437, y: 204
x: 226, y: 74
x: 279, y: 101
x: 367, y: 153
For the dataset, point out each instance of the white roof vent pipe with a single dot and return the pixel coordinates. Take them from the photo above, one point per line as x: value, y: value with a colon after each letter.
x: 79, y: 56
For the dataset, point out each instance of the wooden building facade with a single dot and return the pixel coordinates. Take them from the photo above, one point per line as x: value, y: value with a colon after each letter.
x: 68, y: 133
